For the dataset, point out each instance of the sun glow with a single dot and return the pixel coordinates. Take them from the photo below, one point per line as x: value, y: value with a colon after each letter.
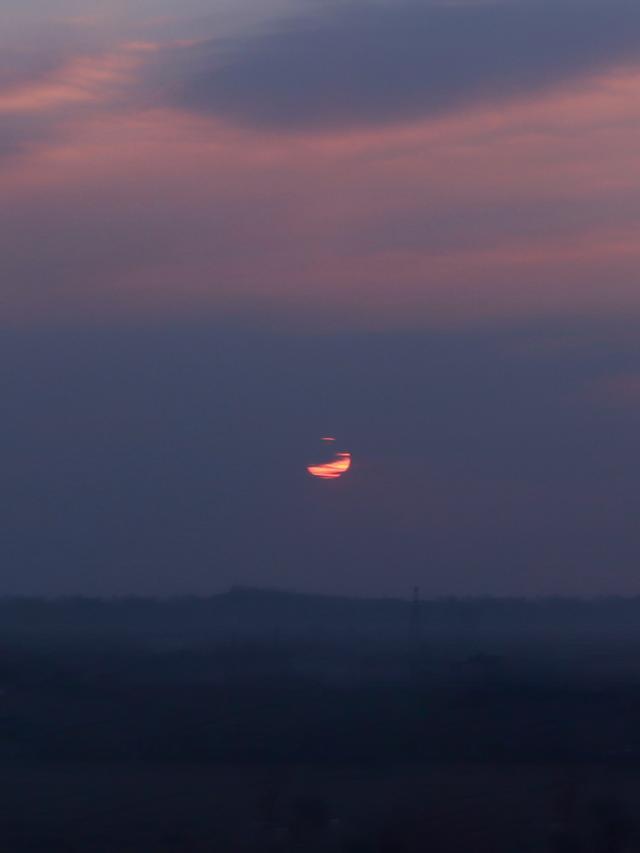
x: 332, y: 470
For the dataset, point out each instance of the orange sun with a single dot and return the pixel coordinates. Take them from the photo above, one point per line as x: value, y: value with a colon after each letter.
x: 334, y: 469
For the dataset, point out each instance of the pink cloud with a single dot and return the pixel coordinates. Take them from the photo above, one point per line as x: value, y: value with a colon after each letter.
x: 483, y: 215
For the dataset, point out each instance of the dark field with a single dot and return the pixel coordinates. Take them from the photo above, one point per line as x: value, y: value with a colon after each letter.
x: 265, y: 722
x: 194, y: 808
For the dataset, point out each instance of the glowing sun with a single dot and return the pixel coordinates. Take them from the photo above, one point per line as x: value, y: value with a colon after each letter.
x: 339, y: 465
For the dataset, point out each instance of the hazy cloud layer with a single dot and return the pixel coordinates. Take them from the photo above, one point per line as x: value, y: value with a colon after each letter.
x: 351, y: 63
x: 24, y: 66
x: 174, y: 460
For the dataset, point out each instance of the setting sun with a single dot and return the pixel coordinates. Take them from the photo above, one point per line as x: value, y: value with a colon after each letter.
x: 332, y: 470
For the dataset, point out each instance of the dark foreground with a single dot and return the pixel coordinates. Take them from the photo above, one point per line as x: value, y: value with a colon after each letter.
x: 256, y: 722
x: 485, y: 809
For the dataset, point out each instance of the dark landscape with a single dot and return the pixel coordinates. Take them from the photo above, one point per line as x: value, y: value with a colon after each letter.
x: 260, y: 720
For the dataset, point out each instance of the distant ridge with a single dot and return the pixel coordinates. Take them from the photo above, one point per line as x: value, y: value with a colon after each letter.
x: 258, y: 611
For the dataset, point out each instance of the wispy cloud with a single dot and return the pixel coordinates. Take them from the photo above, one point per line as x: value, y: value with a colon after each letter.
x: 38, y: 102
x: 366, y: 63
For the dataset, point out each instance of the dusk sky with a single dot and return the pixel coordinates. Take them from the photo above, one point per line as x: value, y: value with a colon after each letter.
x: 232, y: 227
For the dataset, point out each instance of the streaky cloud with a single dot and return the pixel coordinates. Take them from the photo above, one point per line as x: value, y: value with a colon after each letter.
x: 360, y: 63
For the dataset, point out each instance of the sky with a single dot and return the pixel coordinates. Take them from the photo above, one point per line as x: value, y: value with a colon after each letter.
x: 228, y: 228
